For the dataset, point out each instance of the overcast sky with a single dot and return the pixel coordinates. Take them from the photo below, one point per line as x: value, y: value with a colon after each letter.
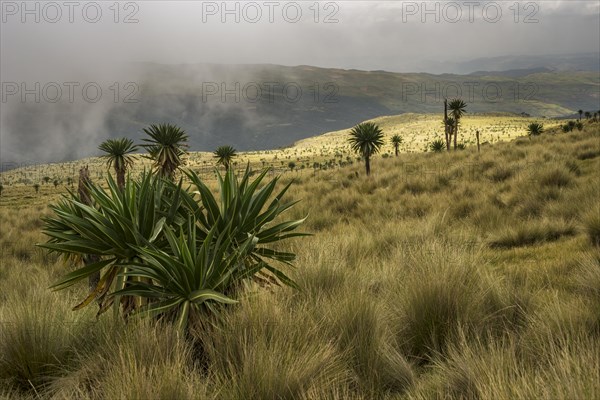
x: 72, y: 41
x: 388, y: 35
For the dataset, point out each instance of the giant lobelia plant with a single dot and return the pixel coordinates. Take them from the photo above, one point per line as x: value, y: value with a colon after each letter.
x: 175, y: 249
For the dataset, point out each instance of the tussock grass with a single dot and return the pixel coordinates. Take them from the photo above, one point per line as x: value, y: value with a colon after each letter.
x: 591, y: 225
x: 444, y: 293
x: 531, y: 232
x: 587, y: 276
x: 441, y: 276
x: 264, y: 352
x: 501, y: 173
x: 38, y: 336
x: 496, y: 370
x: 377, y: 365
x: 141, y: 360
x: 588, y: 154
x: 555, y: 177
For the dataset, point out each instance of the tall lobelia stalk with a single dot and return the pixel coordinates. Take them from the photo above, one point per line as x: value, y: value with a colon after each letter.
x: 118, y: 155
x: 366, y: 139
x: 457, y: 109
x: 166, y: 146
x: 446, y: 127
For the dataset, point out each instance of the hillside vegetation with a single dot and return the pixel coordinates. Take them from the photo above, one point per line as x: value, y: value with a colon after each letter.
x: 442, y: 275
x: 322, y: 152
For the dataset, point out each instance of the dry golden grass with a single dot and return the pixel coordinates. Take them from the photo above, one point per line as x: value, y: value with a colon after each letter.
x: 417, y: 130
x: 459, y: 275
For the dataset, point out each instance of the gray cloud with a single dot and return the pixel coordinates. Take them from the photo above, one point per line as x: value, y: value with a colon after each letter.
x: 369, y: 35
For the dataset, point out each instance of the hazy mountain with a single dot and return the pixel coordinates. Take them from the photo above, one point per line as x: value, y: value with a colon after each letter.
x: 268, y: 106
x: 553, y: 62
x: 512, y: 73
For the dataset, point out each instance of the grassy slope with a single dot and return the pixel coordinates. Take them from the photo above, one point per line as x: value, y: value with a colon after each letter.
x: 416, y: 130
x: 441, y: 276
x: 419, y: 129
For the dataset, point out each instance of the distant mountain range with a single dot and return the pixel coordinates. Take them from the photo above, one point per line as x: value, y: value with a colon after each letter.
x: 553, y: 62
x: 296, y: 102
x: 268, y: 106
x: 513, y: 73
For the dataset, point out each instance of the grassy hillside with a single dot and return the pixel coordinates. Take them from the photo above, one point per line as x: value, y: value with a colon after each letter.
x: 328, y: 151
x: 458, y: 275
x: 417, y: 130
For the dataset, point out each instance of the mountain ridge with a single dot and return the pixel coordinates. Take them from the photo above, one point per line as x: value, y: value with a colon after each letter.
x: 219, y: 104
